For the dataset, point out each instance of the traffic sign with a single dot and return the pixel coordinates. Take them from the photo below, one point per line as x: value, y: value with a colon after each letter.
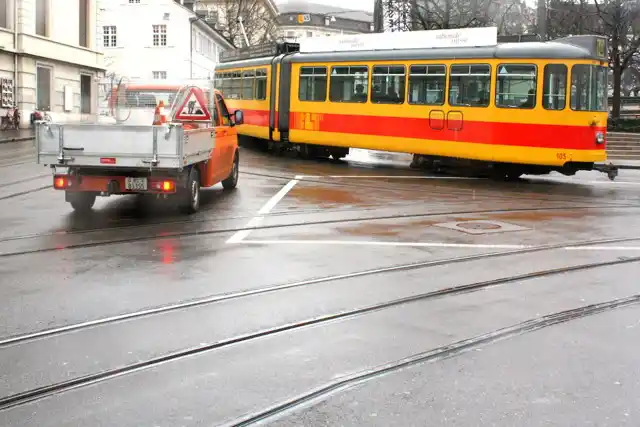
x: 194, y: 106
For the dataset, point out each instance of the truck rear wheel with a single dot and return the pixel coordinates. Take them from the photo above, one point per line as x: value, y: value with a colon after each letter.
x: 232, y: 180
x: 190, y: 197
x: 81, y: 202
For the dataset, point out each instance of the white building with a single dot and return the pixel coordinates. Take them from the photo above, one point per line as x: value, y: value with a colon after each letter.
x: 158, y: 39
x: 49, y: 57
x: 303, y: 19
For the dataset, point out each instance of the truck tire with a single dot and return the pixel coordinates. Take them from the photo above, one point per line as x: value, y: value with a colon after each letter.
x: 81, y: 202
x: 190, y: 197
x: 232, y: 180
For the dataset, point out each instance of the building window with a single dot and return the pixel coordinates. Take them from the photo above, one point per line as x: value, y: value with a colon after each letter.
x: 159, y: 35
x: 160, y: 75
x: 554, y: 88
x: 42, y: 16
x: 313, y: 84
x: 470, y: 85
x: 388, y: 84
x: 309, y: 33
x: 109, y: 36
x: 85, y: 94
x: 349, y: 84
x: 134, y: 1
x: 4, y: 13
x: 516, y: 86
x: 427, y: 84
x: 43, y: 88
x: 83, y: 23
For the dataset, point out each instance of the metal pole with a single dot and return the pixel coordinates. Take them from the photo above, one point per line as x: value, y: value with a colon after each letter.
x: 191, y: 21
x: 244, y: 34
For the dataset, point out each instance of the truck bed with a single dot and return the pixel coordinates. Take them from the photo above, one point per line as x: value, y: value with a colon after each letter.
x: 121, y: 146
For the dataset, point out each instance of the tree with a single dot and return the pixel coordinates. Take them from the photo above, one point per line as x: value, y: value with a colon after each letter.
x: 510, y: 16
x: 259, y: 23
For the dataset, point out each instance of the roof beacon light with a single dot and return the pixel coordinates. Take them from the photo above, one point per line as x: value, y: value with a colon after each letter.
x: 462, y: 37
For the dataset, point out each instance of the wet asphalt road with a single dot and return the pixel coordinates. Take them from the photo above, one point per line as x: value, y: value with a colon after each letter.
x: 322, y: 293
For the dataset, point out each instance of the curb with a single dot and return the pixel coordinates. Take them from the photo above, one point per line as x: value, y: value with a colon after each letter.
x: 18, y: 139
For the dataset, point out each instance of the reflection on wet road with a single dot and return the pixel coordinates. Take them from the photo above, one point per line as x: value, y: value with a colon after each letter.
x: 321, y: 293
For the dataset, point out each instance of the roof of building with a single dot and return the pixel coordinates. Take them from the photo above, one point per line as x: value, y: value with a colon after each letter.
x: 297, y: 6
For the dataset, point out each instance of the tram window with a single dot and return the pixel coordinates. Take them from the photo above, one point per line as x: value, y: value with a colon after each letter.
x: 470, y: 85
x: 388, y: 84
x: 349, y: 84
x: 313, y: 84
x: 588, y: 88
x: 235, y: 85
x: 554, y: 88
x: 426, y: 84
x: 248, y: 82
x: 516, y: 86
x: 261, y: 84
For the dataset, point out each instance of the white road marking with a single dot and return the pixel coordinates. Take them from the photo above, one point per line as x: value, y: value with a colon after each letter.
x: 430, y: 244
x: 603, y: 248
x: 239, y: 236
x: 383, y: 243
x: 271, y: 203
x: 393, y: 177
x: 278, y: 196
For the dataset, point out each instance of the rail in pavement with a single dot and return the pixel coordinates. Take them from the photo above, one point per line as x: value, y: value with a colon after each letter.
x: 13, y: 135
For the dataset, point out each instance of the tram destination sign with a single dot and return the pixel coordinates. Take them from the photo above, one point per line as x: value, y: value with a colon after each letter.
x: 463, y: 37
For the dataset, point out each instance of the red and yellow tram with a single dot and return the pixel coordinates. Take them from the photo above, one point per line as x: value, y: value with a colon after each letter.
x: 530, y: 107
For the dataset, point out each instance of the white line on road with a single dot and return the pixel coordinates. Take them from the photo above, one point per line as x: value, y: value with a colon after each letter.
x: 382, y: 243
x: 603, y: 248
x: 393, y: 177
x: 430, y: 244
x: 271, y: 203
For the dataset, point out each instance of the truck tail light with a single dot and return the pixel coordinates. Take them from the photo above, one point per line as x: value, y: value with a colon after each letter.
x: 168, y: 186
x: 60, y: 182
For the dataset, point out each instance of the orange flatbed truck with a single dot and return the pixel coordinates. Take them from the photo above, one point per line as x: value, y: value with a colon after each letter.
x: 197, y: 147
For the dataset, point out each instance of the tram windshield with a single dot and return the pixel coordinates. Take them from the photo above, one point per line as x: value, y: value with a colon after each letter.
x: 589, y: 88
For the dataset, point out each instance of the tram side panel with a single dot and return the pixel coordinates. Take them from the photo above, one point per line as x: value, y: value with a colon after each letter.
x: 496, y: 129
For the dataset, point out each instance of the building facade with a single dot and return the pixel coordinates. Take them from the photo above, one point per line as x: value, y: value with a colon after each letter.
x: 49, y: 58
x: 147, y: 40
x: 298, y: 20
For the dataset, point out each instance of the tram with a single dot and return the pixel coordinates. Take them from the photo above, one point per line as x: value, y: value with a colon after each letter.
x: 450, y: 97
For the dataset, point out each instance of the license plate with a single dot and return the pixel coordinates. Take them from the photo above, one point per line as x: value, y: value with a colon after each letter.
x: 135, y: 184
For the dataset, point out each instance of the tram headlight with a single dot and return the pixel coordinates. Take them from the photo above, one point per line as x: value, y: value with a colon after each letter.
x: 599, y: 138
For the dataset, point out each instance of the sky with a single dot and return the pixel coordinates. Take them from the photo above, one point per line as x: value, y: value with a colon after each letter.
x: 351, y: 4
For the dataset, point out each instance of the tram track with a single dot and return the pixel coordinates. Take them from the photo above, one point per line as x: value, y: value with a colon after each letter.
x: 22, y: 193
x: 217, y: 298
x: 208, y: 232
x: 21, y: 181
x: 433, y: 355
x: 22, y: 398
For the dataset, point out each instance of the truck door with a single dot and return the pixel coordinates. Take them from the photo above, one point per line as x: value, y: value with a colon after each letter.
x: 225, y: 137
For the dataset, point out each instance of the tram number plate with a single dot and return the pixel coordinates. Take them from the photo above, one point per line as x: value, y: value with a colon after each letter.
x: 135, y: 183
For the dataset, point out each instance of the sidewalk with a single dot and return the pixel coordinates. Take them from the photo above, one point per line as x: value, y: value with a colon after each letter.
x: 16, y: 135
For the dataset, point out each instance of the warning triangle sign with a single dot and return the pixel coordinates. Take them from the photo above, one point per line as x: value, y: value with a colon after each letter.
x: 194, y: 106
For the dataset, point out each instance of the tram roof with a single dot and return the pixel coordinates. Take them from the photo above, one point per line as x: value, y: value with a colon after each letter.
x: 559, y: 49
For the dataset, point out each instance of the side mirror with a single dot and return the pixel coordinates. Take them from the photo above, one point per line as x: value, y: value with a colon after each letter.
x: 238, y: 115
